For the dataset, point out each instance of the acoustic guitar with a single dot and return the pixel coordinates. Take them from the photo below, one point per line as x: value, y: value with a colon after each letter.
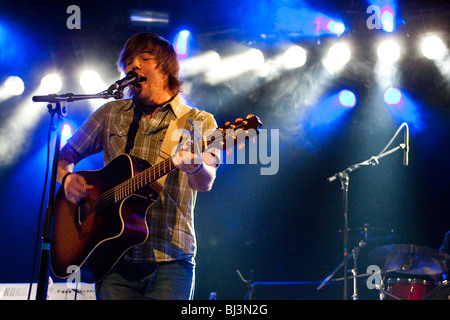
x: 90, y: 237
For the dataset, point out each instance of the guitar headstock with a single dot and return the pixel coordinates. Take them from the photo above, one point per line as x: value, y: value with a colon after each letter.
x: 236, y: 132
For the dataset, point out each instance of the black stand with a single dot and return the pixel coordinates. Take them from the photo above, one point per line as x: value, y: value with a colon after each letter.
x: 251, y: 285
x: 60, y: 111
x: 343, y: 176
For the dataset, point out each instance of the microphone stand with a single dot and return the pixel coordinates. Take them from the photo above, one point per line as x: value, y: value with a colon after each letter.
x: 60, y: 110
x: 344, y: 178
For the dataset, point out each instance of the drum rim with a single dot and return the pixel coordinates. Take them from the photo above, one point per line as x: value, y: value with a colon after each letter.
x: 410, y: 281
x: 437, y: 289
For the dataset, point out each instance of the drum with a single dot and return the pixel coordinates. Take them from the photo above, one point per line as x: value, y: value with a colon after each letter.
x: 439, y: 293
x: 408, y: 289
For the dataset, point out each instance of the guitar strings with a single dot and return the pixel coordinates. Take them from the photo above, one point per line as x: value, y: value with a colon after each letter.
x: 137, y: 182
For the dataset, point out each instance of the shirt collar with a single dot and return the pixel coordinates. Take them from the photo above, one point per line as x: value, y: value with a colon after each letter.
x: 175, y: 104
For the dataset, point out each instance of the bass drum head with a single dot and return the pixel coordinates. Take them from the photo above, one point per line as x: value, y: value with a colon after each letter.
x: 440, y: 293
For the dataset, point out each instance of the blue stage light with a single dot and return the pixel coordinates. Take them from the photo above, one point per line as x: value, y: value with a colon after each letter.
x: 335, y: 27
x: 387, y: 18
x: 392, y: 96
x: 182, y: 43
x: 404, y: 109
x: 347, y: 98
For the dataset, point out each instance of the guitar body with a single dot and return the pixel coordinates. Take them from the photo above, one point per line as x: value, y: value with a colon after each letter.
x: 93, y: 235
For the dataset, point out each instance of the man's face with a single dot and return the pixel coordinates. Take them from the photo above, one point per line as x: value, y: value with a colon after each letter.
x: 154, y: 89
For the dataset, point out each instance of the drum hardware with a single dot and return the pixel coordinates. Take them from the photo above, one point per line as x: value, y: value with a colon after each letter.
x: 442, y: 292
x: 411, y: 259
x: 384, y: 293
x: 252, y: 284
x: 355, y: 252
x: 368, y: 234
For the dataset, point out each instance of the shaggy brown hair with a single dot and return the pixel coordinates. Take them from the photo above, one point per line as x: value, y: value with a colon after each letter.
x: 163, y: 51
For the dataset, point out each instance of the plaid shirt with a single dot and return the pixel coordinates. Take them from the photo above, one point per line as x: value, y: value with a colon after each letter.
x: 171, y: 222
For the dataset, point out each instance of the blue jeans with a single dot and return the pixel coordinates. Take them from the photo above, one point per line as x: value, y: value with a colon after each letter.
x: 153, y: 281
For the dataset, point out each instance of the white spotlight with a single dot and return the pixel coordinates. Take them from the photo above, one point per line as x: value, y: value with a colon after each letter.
x: 294, y: 57
x: 51, y: 83
x: 388, y: 52
x: 91, y: 82
x: 236, y: 65
x: 205, y: 62
x: 433, y: 48
x: 14, y: 86
x: 338, y: 56
x: 252, y: 59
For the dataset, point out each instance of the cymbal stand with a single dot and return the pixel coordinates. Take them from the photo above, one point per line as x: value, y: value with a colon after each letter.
x: 354, y: 255
x: 379, y: 287
x: 355, y: 252
x: 384, y: 292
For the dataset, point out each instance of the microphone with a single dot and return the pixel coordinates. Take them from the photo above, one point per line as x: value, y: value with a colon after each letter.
x: 132, y: 78
x: 406, y: 149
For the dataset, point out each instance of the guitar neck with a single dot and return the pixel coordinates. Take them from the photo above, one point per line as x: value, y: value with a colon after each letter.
x: 150, y: 175
x: 223, y: 137
x: 144, y: 178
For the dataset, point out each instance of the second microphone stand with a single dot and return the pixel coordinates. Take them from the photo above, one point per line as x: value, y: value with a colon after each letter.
x: 58, y: 107
x: 344, y: 178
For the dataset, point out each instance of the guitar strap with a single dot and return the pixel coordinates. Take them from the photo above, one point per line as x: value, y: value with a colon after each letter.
x: 132, y: 131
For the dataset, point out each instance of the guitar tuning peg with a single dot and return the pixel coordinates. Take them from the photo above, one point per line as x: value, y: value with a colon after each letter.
x: 250, y: 116
x: 227, y: 123
x: 238, y: 120
x: 229, y: 151
x: 241, y: 146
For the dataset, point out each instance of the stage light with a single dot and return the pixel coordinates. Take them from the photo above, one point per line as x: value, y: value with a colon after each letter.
x: 202, y: 63
x: 387, y: 19
x: 14, y: 86
x: 338, y: 56
x: 347, y: 98
x: 433, y: 48
x: 326, y: 116
x: 404, y: 109
x: 17, y: 128
x: 66, y: 133
x: 335, y: 27
x: 253, y: 59
x: 182, y: 43
x: 91, y: 82
x: 236, y: 65
x: 392, y: 96
x: 50, y: 84
x: 294, y: 57
x: 388, y: 52
x: 150, y: 17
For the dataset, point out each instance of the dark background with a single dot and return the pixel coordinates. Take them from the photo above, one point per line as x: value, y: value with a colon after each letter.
x: 284, y: 227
